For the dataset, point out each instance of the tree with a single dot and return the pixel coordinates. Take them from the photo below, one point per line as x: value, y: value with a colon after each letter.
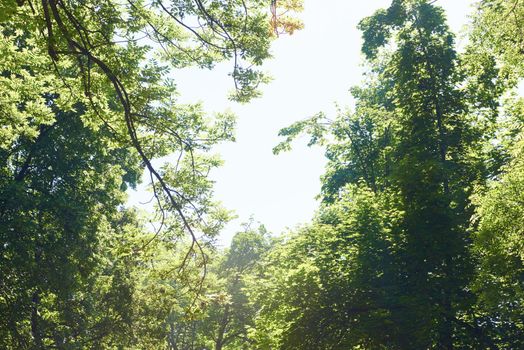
x: 496, y: 33
x: 230, y: 319
x: 225, y: 313
x: 122, y: 53
x: 432, y: 171
x: 329, y: 285
x: 59, y: 197
x: 86, y: 105
x: 415, y: 141
x: 499, y: 246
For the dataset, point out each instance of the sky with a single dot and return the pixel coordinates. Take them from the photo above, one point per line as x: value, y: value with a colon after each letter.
x: 312, y: 71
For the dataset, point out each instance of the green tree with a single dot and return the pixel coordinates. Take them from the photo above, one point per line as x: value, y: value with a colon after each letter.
x: 230, y: 319
x: 87, y: 103
x: 225, y: 313
x: 415, y: 140
x: 499, y: 246
x: 496, y: 32
x: 329, y: 286
x: 114, y: 59
x: 433, y: 170
x: 59, y: 197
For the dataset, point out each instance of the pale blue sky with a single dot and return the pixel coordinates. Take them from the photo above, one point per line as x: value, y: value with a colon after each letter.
x: 312, y: 70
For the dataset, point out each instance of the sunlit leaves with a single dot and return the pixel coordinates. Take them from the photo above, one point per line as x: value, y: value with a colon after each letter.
x: 87, y: 101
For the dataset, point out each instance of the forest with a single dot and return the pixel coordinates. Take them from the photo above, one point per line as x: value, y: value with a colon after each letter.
x: 418, y: 239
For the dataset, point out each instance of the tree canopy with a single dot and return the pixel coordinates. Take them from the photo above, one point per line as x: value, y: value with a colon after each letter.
x: 418, y: 240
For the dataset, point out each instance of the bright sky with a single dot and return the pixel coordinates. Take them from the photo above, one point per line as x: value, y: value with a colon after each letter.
x: 312, y: 70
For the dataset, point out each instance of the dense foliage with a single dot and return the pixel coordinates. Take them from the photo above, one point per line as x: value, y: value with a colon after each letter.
x: 418, y: 242
x: 420, y: 225
x: 87, y: 103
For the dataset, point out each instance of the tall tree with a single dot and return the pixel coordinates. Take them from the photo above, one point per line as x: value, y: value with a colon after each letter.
x: 497, y: 33
x: 414, y: 140
x: 87, y: 103
x: 432, y: 172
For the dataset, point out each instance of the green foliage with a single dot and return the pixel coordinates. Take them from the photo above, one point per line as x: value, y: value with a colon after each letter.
x: 228, y: 322
x: 223, y: 313
x: 499, y: 246
x: 497, y: 30
x: 328, y: 285
x: 86, y: 103
x: 59, y: 197
x: 358, y: 144
x: 419, y: 141
x: 418, y: 243
x: 496, y: 33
